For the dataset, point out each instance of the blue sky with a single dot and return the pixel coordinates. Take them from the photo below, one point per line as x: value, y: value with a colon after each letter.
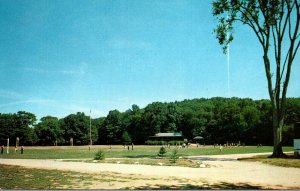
x: 58, y: 57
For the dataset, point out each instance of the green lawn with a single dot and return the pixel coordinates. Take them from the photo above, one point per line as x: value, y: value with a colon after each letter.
x: 120, y: 152
x: 289, y: 161
x: 15, y: 177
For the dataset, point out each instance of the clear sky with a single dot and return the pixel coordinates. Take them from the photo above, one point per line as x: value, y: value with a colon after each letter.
x: 58, y: 57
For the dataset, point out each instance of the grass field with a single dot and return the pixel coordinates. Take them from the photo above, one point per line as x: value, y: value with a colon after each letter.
x: 14, y: 177
x: 289, y: 161
x: 77, y: 152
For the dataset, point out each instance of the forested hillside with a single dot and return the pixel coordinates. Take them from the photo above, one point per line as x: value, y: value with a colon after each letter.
x: 218, y: 120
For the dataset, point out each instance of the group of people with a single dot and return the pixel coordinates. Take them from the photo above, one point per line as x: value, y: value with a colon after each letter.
x: 16, y: 149
x: 22, y: 149
x: 127, y: 146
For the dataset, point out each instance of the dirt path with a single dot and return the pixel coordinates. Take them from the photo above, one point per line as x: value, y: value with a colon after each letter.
x: 223, y: 168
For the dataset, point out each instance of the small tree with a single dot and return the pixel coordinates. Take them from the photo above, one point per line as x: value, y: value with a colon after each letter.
x: 174, y: 156
x: 162, y: 151
x: 100, y: 155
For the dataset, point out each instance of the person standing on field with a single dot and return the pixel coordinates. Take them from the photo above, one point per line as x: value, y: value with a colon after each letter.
x: 22, y: 150
x: 2, y: 149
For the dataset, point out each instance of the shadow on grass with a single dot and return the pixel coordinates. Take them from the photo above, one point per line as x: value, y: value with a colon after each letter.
x: 289, y: 161
x: 221, y: 185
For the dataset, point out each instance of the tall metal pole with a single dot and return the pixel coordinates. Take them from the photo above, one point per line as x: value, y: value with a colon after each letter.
x: 90, y: 128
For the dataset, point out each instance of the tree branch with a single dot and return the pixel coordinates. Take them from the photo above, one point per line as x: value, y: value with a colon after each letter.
x: 284, y: 65
x: 296, y: 30
x: 275, y: 43
x: 291, y: 54
x: 250, y: 23
x: 295, y: 34
x: 290, y: 9
x: 278, y: 27
x: 252, y: 17
x: 263, y: 3
x: 295, y: 52
x: 287, y: 17
x: 253, y: 23
x: 269, y: 77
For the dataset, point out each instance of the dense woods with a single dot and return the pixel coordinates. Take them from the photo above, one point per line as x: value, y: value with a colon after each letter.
x: 218, y: 120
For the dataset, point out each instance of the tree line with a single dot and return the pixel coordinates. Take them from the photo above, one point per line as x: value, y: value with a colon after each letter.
x: 218, y: 120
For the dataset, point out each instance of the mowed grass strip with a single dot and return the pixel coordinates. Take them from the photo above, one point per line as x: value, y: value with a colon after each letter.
x: 289, y: 161
x: 118, y: 151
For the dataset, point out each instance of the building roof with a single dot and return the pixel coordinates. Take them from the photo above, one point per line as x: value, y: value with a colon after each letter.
x: 198, y: 137
x: 174, y: 134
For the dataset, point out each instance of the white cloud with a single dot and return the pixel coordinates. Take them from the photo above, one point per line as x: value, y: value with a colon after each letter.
x: 10, y: 94
x: 37, y: 70
x: 62, y: 108
x: 130, y: 44
x: 75, y: 71
x: 70, y: 72
x: 79, y: 71
x: 35, y: 101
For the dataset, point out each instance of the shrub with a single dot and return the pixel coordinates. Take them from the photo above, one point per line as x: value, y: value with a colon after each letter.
x: 162, y: 151
x: 173, y: 142
x: 153, y: 142
x: 174, y: 156
x: 100, y: 155
x: 150, y: 142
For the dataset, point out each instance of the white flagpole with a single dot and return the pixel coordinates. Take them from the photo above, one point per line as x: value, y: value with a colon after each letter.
x: 228, y: 69
x: 7, y: 150
x: 90, y: 128
x: 228, y: 61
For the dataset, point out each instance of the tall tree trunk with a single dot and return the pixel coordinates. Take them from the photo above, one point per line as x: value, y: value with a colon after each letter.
x: 277, y: 131
x: 277, y: 108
